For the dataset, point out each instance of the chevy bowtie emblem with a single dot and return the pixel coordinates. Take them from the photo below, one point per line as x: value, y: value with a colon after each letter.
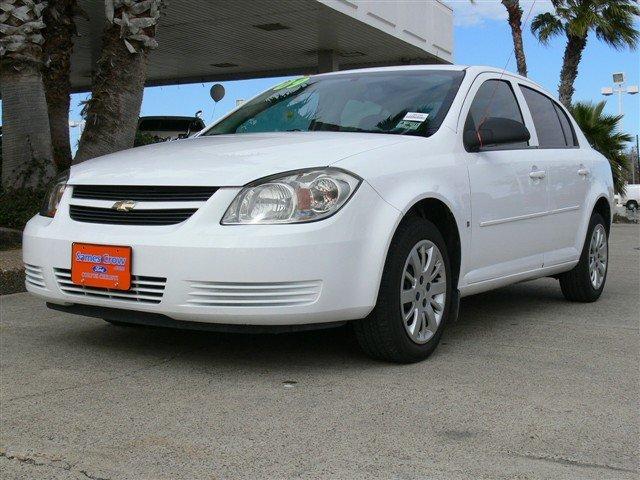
x: 124, y: 205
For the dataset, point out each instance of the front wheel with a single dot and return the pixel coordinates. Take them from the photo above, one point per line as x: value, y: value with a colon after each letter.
x: 632, y: 205
x: 586, y: 281
x: 414, y: 299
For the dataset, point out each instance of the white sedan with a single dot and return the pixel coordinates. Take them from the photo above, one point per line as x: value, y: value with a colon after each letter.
x: 631, y: 197
x: 376, y: 196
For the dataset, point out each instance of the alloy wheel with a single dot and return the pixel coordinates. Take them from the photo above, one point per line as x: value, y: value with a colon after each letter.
x: 598, y: 253
x: 423, y: 291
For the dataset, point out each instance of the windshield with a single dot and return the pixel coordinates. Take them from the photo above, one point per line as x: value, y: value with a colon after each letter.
x: 402, y: 103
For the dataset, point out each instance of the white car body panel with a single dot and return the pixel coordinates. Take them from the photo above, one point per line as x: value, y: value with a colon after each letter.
x: 511, y: 227
x: 513, y: 209
x: 201, y: 252
x: 224, y: 160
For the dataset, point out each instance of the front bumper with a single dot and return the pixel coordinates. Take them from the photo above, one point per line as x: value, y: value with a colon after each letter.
x: 201, y: 271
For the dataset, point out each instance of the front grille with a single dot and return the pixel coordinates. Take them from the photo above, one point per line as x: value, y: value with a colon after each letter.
x: 134, y: 217
x: 141, y: 193
x: 143, y: 289
x: 281, y: 294
x: 33, y: 276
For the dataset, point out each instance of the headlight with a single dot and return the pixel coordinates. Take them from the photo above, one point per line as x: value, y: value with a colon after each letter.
x: 292, y: 197
x: 54, y: 195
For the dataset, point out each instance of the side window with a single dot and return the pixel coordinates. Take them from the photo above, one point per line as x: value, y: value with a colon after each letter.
x: 494, y: 98
x: 569, y: 133
x: 545, y: 118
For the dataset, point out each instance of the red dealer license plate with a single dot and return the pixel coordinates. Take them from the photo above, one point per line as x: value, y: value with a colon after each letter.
x: 103, y: 266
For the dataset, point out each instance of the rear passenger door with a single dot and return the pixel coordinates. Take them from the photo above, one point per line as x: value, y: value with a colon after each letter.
x: 568, y: 176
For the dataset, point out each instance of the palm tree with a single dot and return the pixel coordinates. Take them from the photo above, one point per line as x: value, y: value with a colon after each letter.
x: 514, y: 12
x: 59, y: 18
x: 612, y: 21
x: 118, y: 83
x: 514, y: 17
x: 602, y: 132
x: 26, y: 142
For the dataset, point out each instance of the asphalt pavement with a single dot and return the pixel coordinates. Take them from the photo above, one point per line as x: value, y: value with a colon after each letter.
x: 524, y: 386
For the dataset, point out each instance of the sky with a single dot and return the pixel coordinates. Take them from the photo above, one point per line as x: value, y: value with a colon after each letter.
x: 482, y: 37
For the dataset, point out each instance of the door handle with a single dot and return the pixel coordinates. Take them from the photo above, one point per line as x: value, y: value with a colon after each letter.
x: 583, y: 172
x: 537, y: 174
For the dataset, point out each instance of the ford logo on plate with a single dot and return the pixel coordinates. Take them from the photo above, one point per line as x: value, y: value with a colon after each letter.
x: 99, y: 269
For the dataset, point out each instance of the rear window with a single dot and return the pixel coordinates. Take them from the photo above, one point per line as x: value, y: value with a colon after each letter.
x: 554, y: 130
x: 567, y: 129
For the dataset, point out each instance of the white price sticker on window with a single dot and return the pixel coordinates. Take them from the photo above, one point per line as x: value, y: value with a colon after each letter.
x: 415, y: 117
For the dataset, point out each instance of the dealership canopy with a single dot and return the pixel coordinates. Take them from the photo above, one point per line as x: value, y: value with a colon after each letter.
x: 209, y: 40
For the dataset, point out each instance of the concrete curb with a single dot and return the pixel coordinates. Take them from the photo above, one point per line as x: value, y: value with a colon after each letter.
x: 11, y: 272
x: 10, y: 236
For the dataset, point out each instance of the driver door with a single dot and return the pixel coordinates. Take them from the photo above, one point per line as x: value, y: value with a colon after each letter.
x: 509, y: 191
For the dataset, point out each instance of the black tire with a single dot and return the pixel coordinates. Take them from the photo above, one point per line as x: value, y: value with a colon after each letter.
x: 576, y: 284
x: 382, y: 335
x: 632, y: 205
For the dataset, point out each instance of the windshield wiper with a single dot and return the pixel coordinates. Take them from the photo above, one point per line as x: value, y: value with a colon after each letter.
x: 317, y: 126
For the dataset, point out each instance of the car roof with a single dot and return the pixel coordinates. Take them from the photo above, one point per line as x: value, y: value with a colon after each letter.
x: 397, y: 68
x: 168, y: 117
x: 472, y: 70
x: 433, y: 67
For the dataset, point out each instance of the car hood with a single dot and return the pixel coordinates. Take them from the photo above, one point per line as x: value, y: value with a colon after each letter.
x: 225, y: 160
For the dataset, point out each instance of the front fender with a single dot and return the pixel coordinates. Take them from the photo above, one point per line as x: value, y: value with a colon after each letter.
x: 406, y: 173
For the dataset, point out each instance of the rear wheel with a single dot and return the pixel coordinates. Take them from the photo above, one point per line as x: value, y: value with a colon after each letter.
x: 414, y: 300
x: 632, y: 205
x: 586, y: 281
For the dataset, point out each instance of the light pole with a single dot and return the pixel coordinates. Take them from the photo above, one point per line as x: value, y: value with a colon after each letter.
x: 620, y: 89
x: 635, y: 160
x: 77, y: 124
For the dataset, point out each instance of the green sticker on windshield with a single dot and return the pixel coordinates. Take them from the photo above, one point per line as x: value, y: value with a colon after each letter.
x: 291, y: 83
x: 407, y: 125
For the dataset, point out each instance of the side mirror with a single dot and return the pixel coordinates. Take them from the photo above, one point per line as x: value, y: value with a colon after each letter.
x: 496, y: 131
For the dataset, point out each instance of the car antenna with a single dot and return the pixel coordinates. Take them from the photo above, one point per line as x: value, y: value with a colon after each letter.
x: 504, y: 70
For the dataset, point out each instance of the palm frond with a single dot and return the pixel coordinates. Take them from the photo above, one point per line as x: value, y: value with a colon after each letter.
x: 546, y: 25
x: 582, y: 20
x: 615, y: 25
x: 602, y: 132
